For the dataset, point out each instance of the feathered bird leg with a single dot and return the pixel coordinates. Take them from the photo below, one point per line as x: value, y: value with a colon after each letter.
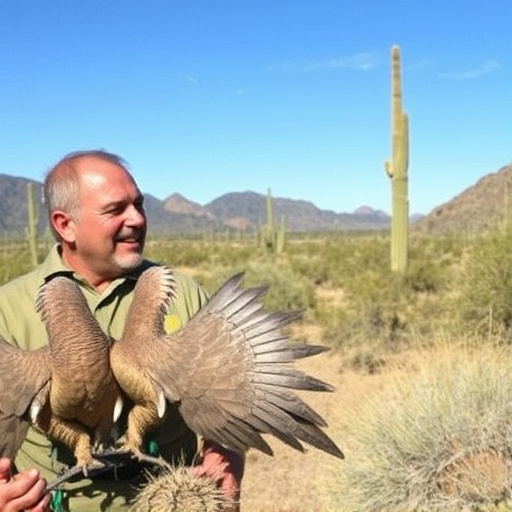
x: 89, y: 462
x: 75, y: 436
x: 141, y: 419
x: 72, y: 434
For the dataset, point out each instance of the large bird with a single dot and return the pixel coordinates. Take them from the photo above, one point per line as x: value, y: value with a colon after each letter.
x: 65, y: 389
x: 227, y: 369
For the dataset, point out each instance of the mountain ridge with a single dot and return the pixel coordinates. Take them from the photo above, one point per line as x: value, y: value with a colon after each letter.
x: 484, y: 205
x: 177, y: 214
x: 478, y: 208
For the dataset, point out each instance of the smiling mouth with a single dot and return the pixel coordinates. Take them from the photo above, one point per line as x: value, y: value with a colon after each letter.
x: 129, y: 241
x: 132, y: 240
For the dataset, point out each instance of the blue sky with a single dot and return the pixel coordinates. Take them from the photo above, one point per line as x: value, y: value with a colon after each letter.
x: 204, y: 97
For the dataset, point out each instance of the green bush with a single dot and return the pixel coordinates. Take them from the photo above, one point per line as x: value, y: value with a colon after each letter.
x: 14, y: 260
x: 384, y: 312
x: 372, y: 321
x: 286, y: 290
x: 486, y: 292
x: 178, y: 253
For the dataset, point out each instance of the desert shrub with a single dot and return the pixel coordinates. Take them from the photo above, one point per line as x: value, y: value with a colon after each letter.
x: 437, y: 438
x: 424, y: 276
x: 14, y: 260
x: 384, y: 312
x: 486, y: 292
x: 286, y: 289
x: 315, y: 268
x: 335, y: 260
x: 236, y: 255
x: 179, y: 253
x: 373, y: 316
x: 202, y: 255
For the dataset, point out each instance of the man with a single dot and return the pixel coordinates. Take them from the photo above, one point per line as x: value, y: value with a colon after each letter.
x: 96, y: 214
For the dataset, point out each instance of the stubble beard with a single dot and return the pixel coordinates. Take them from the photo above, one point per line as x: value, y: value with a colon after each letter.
x: 131, y: 260
x: 128, y: 261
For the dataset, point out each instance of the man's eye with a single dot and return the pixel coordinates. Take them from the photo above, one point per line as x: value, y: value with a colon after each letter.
x: 115, y: 210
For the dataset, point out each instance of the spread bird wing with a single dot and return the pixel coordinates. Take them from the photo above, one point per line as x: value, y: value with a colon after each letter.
x: 229, y: 370
x: 24, y: 381
x: 13, y: 431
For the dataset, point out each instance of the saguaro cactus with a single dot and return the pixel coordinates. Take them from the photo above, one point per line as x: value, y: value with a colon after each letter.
x: 32, y: 224
x: 396, y: 169
x: 280, y: 236
x: 270, y: 238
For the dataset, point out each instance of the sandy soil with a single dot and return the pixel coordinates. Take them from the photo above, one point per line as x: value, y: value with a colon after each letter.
x: 296, y: 482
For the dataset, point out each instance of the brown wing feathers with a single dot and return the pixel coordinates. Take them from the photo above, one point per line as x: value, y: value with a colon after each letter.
x: 251, y: 344
x: 23, y: 375
x: 229, y: 368
x: 70, y: 378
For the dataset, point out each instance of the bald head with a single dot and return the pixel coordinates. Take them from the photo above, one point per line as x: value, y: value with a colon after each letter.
x: 63, y: 181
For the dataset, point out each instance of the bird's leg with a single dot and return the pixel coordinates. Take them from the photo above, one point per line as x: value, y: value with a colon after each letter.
x: 104, y: 437
x: 75, y: 436
x: 141, y: 419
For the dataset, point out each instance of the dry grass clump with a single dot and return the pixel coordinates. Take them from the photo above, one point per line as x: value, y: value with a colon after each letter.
x: 176, y: 490
x: 436, y: 438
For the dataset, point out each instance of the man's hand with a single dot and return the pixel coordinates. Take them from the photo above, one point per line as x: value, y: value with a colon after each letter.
x: 22, y: 492
x: 225, y: 467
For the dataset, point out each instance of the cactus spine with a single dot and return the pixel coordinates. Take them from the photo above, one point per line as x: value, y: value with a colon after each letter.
x: 32, y: 224
x: 396, y: 169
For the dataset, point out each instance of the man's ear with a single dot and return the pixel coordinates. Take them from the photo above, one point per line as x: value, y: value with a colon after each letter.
x: 64, y: 225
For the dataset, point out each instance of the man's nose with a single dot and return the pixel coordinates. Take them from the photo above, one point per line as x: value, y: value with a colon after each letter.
x: 135, y: 216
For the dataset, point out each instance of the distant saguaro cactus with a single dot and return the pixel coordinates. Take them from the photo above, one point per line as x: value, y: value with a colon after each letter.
x: 280, y: 237
x: 396, y: 169
x: 270, y: 238
x: 32, y: 224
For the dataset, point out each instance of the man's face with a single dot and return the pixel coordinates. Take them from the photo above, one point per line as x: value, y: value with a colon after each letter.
x: 110, y: 228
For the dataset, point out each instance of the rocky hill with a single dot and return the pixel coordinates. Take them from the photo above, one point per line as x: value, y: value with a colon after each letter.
x: 13, y: 205
x: 476, y: 209
x: 480, y: 207
x: 176, y: 214
x: 250, y: 209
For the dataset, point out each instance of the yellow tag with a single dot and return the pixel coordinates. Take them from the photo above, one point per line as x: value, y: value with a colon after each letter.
x: 172, y: 323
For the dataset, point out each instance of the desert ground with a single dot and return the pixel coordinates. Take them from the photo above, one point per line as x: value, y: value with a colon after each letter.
x: 291, y: 481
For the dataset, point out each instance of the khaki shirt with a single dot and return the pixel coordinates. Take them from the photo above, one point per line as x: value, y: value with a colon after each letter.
x: 21, y: 325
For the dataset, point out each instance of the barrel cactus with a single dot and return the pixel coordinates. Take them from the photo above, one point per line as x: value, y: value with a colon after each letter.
x: 177, y: 490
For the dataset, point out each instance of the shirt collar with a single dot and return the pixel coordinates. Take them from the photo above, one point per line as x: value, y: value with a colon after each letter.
x: 53, y: 265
